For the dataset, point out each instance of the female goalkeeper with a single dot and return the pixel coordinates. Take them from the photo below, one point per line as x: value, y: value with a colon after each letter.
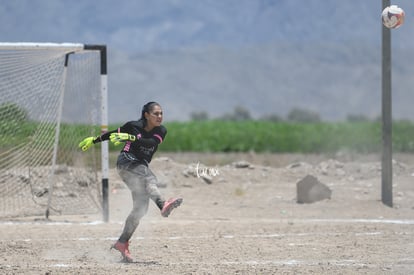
x: 141, y: 139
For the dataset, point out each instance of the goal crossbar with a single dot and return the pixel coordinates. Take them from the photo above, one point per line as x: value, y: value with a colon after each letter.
x: 41, y: 46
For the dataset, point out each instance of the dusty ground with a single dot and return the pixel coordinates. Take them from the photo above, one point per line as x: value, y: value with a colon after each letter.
x: 242, y: 220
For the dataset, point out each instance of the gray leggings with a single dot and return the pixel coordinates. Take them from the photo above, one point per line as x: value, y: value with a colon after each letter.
x: 143, y: 185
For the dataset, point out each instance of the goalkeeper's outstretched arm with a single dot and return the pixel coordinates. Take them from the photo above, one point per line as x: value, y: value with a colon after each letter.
x: 89, y: 141
x: 117, y: 137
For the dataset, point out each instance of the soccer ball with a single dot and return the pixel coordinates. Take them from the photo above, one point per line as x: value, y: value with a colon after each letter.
x: 393, y: 17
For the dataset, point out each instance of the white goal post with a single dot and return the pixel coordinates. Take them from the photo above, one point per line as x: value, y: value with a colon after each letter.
x: 51, y: 97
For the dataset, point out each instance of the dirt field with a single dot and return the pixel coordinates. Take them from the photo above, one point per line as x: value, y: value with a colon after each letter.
x: 242, y: 218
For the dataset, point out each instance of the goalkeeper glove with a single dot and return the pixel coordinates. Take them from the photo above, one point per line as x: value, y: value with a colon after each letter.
x: 86, y: 143
x: 117, y: 138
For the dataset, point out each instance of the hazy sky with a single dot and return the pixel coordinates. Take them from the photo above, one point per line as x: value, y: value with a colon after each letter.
x: 142, y: 25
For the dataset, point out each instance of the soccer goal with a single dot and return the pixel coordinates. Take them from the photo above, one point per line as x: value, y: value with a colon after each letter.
x: 52, y: 96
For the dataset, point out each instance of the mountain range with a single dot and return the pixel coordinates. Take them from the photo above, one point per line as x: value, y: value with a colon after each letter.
x: 211, y: 56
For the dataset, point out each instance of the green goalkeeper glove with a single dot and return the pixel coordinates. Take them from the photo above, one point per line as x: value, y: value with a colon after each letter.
x: 117, y: 138
x: 86, y: 143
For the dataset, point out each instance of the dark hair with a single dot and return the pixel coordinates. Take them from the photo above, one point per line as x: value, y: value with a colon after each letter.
x: 146, y: 109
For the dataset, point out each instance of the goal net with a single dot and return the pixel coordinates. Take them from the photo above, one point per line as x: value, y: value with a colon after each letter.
x: 51, y: 97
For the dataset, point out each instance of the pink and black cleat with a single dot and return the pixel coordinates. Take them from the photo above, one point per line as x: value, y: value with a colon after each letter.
x: 124, y: 249
x: 169, y: 205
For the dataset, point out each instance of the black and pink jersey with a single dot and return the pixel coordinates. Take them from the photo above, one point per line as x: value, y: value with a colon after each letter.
x: 146, y: 144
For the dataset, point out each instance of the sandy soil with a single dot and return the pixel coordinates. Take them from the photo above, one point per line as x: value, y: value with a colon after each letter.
x: 239, y: 216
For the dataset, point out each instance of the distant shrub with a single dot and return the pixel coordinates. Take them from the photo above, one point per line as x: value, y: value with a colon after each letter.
x: 239, y: 114
x: 199, y: 116
x: 303, y: 116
